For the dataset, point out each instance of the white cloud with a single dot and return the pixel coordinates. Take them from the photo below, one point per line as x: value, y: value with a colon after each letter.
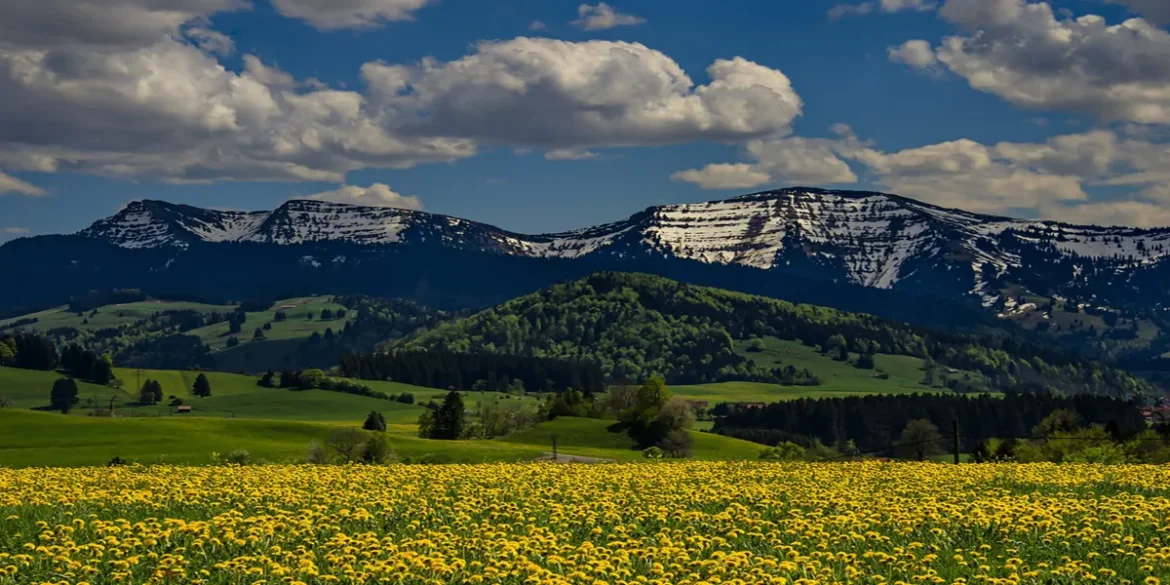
x: 1021, y: 52
x: 10, y: 184
x: 171, y: 111
x: 168, y: 109
x: 1048, y: 178
x: 107, y: 24
x: 349, y: 14
x: 1155, y: 11
x: 211, y: 41
x: 724, y: 176
x: 900, y: 5
x: 917, y: 53
x: 570, y: 154
x: 888, y: 6
x: 376, y: 195
x: 537, y: 25
x: 1141, y: 214
x: 603, y: 16
x: 552, y: 94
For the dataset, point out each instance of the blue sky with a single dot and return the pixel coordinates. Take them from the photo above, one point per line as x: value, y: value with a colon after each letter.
x: 1029, y: 110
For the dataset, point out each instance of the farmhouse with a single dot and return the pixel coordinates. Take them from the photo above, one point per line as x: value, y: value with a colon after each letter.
x: 183, y: 409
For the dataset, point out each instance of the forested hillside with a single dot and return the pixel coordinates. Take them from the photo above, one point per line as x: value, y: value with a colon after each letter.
x: 637, y: 325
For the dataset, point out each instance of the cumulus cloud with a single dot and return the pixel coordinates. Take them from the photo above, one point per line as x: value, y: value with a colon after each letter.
x: 1023, y: 53
x: 888, y: 6
x: 376, y: 195
x: 1155, y: 11
x: 108, y: 24
x: 552, y: 94
x: 10, y: 184
x: 917, y: 53
x: 170, y: 110
x: 1049, y: 178
x: 570, y: 154
x: 603, y: 16
x: 330, y: 15
x: 724, y: 176
x: 796, y: 161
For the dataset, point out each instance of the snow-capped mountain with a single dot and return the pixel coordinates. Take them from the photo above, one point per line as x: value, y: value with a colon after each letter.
x: 869, y: 239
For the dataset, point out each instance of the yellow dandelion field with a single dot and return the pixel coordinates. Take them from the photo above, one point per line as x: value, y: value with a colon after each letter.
x: 684, y: 523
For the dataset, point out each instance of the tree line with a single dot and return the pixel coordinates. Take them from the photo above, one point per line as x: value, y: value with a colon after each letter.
x: 481, y: 372
x: 873, y: 423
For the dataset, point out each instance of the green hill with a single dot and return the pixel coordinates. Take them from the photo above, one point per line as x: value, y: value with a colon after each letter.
x: 638, y: 325
x: 41, y: 439
x: 295, y: 332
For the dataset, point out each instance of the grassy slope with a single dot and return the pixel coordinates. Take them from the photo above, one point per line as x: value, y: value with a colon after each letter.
x: 33, y: 438
x: 296, y: 326
x: 30, y: 388
x: 110, y: 315
x: 840, y: 379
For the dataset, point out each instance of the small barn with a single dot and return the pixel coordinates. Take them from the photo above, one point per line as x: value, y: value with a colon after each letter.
x: 184, y: 409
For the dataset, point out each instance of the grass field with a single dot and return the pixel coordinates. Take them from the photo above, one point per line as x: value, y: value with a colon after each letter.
x: 30, y: 388
x: 552, y: 524
x: 30, y: 438
x: 296, y: 326
x: 110, y: 315
x: 840, y: 379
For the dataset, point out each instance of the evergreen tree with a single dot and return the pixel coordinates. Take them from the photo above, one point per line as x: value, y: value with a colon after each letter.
x: 63, y: 395
x: 152, y: 392
x: 103, y: 370
x: 448, y: 419
x: 202, y: 387
x: 266, y: 381
x: 258, y: 335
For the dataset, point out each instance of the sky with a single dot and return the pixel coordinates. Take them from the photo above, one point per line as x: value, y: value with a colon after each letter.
x: 548, y: 115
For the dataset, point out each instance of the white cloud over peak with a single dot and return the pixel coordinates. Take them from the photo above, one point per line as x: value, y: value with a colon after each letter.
x: 1046, y: 178
x: 376, y: 195
x: 603, y: 16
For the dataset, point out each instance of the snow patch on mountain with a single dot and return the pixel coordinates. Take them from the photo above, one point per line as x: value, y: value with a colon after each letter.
x: 875, y: 239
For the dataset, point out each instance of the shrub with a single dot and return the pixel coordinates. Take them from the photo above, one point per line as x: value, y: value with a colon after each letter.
x: 783, y: 451
x: 676, y: 444
x: 652, y: 453
x: 317, y: 454
x: 376, y: 451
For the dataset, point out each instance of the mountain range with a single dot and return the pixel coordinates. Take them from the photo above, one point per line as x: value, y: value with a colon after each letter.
x: 867, y: 251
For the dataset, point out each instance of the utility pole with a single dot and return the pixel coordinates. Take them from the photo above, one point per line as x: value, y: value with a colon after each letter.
x: 955, y: 436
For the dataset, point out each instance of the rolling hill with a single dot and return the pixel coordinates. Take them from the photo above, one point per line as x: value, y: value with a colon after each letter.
x: 859, y: 251
x: 638, y: 325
